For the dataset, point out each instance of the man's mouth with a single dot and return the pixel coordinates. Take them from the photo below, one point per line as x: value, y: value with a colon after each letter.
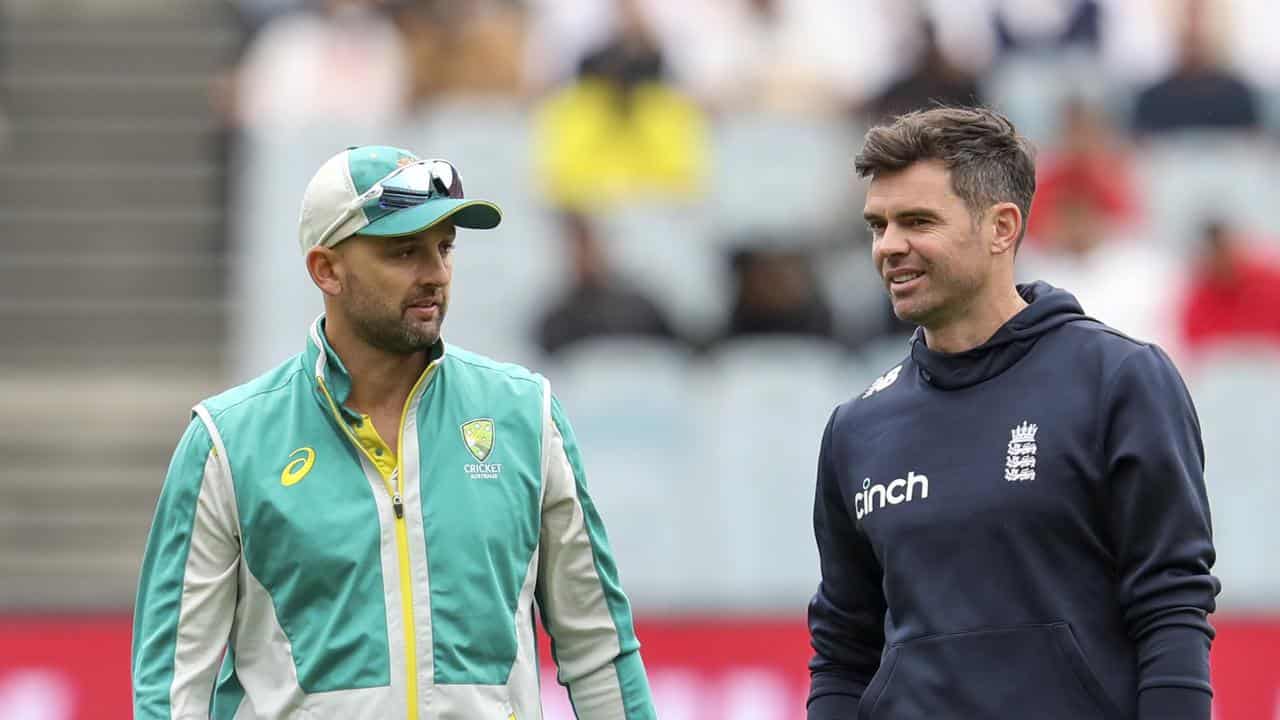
x: 901, y: 279
x: 425, y: 309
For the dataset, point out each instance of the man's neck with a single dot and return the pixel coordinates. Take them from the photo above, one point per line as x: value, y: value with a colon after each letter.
x: 380, y: 381
x: 974, y: 325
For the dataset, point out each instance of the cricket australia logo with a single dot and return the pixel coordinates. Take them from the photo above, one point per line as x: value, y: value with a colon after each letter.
x: 883, y: 382
x: 478, y: 436
x: 1020, y: 464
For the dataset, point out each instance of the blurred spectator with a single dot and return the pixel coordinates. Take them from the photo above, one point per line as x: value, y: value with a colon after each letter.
x: 339, y: 61
x: 777, y: 56
x: 1033, y: 27
x: 935, y: 78
x: 1234, y: 294
x: 253, y: 15
x: 1201, y: 92
x: 777, y: 293
x: 1089, y: 161
x: 598, y: 302
x: 1118, y: 280
x: 464, y: 48
x: 621, y: 131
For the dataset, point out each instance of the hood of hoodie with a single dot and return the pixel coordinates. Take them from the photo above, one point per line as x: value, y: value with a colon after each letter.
x: 1047, y: 308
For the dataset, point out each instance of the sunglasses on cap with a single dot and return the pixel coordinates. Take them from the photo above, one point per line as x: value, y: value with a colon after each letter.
x: 405, y: 187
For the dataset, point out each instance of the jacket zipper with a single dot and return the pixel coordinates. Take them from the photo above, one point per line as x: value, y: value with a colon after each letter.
x: 402, y: 537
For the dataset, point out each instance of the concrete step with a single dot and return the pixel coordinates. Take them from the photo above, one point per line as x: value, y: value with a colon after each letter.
x: 90, y: 278
x: 70, y: 579
x: 90, y: 334
x: 91, y: 452
x: 47, y: 523
x: 125, y: 51
x: 85, y: 186
x: 95, y: 484
x: 89, y: 95
x: 130, y: 138
x: 117, y: 13
x: 90, y: 585
x: 76, y: 358
x: 26, y: 232
x: 155, y: 399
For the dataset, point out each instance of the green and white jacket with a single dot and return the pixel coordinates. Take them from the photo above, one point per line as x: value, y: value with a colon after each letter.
x: 345, y: 582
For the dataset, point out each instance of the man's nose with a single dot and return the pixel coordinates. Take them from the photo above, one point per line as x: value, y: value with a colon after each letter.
x: 434, y: 268
x: 890, y: 243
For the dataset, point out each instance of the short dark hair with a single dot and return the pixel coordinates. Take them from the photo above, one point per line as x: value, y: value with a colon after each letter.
x: 988, y: 160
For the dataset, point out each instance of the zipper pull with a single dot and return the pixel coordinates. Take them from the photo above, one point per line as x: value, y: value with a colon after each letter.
x: 398, y: 505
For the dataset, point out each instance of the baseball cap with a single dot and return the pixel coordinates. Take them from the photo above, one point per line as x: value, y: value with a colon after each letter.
x: 385, y: 191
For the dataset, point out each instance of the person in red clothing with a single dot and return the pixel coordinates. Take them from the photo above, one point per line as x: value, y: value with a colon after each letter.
x: 1233, y: 296
x: 1090, y: 164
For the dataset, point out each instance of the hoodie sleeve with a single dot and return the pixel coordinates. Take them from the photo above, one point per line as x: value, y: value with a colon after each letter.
x: 1159, y: 522
x: 846, y: 615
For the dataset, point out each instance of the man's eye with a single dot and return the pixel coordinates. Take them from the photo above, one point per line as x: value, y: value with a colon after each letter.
x: 446, y: 248
x: 919, y: 222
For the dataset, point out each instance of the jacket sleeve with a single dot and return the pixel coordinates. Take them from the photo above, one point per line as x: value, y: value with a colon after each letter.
x: 846, y: 615
x: 187, y: 590
x: 1159, y: 523
x: 582, y: 604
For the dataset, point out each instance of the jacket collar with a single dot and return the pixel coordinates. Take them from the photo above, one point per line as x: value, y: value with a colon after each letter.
x: 324, y: 365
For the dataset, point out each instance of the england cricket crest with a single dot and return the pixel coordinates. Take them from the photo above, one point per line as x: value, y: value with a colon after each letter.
x: 1020, y: 463
x: 478, y: 436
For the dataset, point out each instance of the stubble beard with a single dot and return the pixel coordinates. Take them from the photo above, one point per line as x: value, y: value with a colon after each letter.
x: 944, y: 302
x: 387, y: 329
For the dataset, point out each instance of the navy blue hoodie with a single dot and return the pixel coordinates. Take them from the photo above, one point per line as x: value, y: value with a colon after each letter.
x: 1016, y: 531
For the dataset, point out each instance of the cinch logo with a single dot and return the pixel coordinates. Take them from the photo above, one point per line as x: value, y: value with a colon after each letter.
x: 875, y: 497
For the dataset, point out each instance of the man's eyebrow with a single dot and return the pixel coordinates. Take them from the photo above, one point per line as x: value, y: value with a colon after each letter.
x: 910, y: 212
x: 918, y: 212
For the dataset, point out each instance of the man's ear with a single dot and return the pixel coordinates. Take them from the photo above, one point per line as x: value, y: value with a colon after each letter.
x: 323, y: 267
x: 1006, y: 223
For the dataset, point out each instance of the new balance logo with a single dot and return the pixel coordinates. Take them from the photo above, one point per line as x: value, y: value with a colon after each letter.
x: 882, y: 382
x: 875, y: 497
x: 1020, y: 463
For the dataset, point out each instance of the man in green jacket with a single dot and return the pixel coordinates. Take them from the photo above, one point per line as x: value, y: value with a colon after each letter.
x: 363, y: 531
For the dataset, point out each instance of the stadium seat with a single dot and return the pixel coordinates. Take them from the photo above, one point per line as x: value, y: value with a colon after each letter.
x: 1193, y: 176
x: 1238, y: 399
x: 780, y: 172
x: 638, y: 421
x: 770, y: 399
x: 670, y: 251
x: 1030, y: 89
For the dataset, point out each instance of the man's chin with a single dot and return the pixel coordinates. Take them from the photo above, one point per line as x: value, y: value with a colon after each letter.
x: 908, y: 312
x: 423, y: 334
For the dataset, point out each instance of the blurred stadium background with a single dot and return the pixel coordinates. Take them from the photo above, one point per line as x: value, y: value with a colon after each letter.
x: 682, y: 254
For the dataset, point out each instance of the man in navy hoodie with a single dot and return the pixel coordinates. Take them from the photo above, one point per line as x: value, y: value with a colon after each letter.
x: 1012, y: 523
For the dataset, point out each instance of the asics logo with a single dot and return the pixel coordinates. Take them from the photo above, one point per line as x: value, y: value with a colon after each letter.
x: 299, y: 467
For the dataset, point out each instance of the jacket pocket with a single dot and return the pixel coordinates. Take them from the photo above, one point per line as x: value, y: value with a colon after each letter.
x: 878, y: 683
x: 1075, y: 658
x: 1027, y: 671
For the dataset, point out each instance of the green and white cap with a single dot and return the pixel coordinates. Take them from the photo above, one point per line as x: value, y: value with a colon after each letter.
x: 388, y: 192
